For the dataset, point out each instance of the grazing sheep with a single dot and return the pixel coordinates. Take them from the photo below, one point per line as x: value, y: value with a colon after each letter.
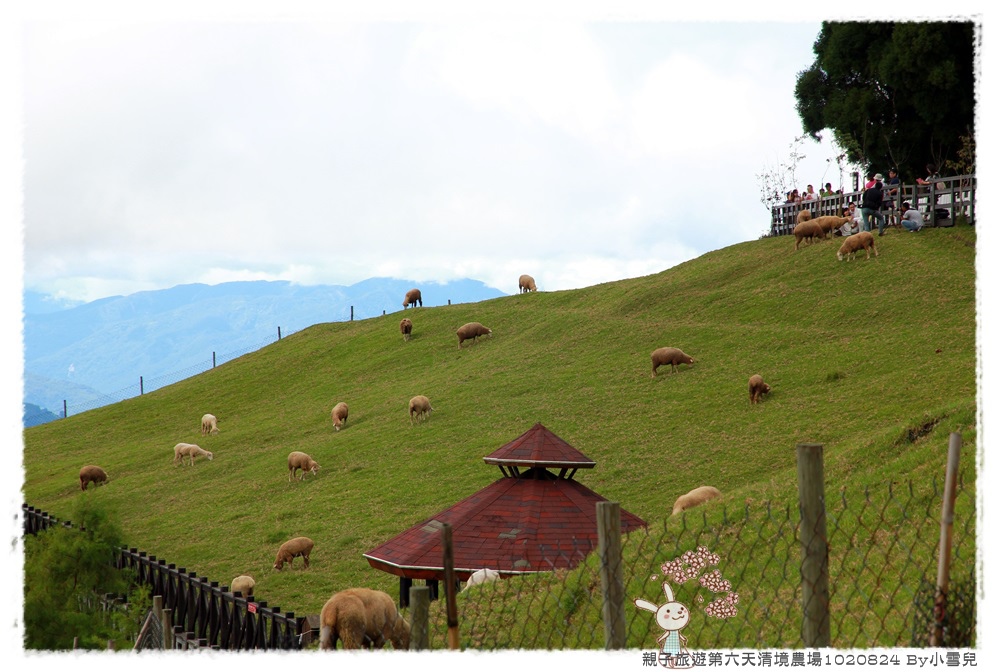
x: 803, y: 216
x: 757, y: 388
x: 412, y: 299
x: 339, y: 415
x: 421, y: 406
x: 482, y: 576
x: 92, y: 474
x: 292, y: 548
x: 808, y: 230
x: 671, y: 356
x: 830, y: 222
x: 405, y: 328
x: 863, y: 240
x: 526, y: 283
x: 297, y: 460
x: 472, y: 330
x: 243, y: 585
x: 695, y: 497
x: 362, y: 618
x: 209, y: 424
x: 182, y: 450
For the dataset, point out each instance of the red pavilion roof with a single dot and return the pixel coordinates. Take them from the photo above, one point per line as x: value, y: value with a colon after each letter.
x: 539, y: 447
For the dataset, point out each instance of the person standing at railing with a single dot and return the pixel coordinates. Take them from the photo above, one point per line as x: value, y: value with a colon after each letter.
x: 871, y: 206
x: 891, y: 195
x: 826, y: 191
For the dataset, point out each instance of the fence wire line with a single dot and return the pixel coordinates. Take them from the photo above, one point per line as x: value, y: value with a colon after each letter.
x: 883, y: 552
x: 151, y: 384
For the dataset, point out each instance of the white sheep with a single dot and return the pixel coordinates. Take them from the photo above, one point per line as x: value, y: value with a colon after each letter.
x: 92, y: 474
x: 412, y: 298
x: 182, y: 450
x: 406, y: 328
x: 482, y: 576
x: 362, y: 618
x: 421, y: 407
x: 472, y: 330
x: 243, y: 585
x: 525, y: 284
x: 339, y: 415
x: 293, y: 548
x: 672, y: 356
x: 209, y: 424
x: 297, y: 460
x: 695, y: 497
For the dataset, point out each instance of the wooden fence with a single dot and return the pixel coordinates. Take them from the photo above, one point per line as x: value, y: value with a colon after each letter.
x: 950, y: 196
x: 201, y: 613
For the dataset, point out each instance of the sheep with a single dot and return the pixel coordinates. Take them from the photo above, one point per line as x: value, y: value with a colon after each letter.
x: 182, y: 450
x: 472, y: 330
x: 803, y: 216
x: 695, y: 497
x: 209, y: 424
x: 757, y: 388
x: 412, y: 299
x: 92, y: 474
x: 482, y: 576
x: 830, y: 222
x: 362, y: 618
x: 339, y: 415
x: 807, y: 230
x: 297, y: 460
x: 863, y: 240
x: 671, y: 356
x: 421, y: 406
x: 405, y: 328
x: 525, y: 284
x: 243, y: 585
x: 292, y: 548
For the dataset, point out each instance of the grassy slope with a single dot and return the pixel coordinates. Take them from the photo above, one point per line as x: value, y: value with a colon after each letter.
x: 856, y: 353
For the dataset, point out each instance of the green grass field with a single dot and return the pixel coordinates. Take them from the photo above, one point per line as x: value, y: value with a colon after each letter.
x: 876, y: 360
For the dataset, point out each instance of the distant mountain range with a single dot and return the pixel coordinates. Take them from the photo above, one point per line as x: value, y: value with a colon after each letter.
x: 84, y: 352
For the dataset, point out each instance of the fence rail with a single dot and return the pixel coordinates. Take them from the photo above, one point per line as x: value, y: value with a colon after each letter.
x: 941, y: 203
x: 203, y: 613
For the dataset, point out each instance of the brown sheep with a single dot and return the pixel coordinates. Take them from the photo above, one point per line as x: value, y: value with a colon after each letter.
x: 405, y: 328
x: 803, y: 216
x: 472, y: 330
x: 292, y: 548
x: 243, y: 585
x: 92, y: 474
x: 808, y: 230
x: 671, y: 356
x: 695, y: 497
x: 757, y: 388
x: 421, y: 407
x: 297, y: 460
x: 362, y: 618
x: 525, y: 284
x: 339, y: 415
x: 862, y: 240
x: 412, y: 299
x: 830, y: 222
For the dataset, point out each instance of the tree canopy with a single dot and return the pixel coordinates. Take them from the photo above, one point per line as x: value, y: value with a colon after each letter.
x: 893, y: 94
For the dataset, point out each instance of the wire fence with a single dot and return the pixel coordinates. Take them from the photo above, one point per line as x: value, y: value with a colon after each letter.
x: 740, y: 575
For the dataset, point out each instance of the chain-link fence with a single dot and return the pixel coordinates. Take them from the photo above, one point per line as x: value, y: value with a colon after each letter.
x: 738, y: 573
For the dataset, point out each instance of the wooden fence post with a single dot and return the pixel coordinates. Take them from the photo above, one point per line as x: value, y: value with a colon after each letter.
x: 944, y: 547
x: 815, y: 570
x: 166, y: 623
x: 420, y: 605
x: 449, y: 587
x: 609, y: 542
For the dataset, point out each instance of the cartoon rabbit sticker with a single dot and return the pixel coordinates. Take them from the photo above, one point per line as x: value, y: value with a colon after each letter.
x: 672, y: 617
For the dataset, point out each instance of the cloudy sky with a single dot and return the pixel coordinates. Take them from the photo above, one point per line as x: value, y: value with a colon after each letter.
x: 332, y: 151
x: 211, y: 142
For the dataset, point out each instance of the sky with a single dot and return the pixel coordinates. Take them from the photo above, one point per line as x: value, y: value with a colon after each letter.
x: 211, y: 142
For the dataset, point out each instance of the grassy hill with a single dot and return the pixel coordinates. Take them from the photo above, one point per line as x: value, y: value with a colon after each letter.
x: 864, y: 357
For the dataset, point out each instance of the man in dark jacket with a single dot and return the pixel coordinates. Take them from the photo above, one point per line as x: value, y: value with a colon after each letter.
x: 871, y: 206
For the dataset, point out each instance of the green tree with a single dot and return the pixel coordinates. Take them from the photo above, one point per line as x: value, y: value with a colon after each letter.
x: 66, y: 571
x: 893, y: 94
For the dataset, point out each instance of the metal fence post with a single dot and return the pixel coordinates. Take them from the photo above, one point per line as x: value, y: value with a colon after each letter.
x: 815, y: 547
x: 609, y: 543
x: 420, y: 605
x: 944, y: 547
x: 449, y: 587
